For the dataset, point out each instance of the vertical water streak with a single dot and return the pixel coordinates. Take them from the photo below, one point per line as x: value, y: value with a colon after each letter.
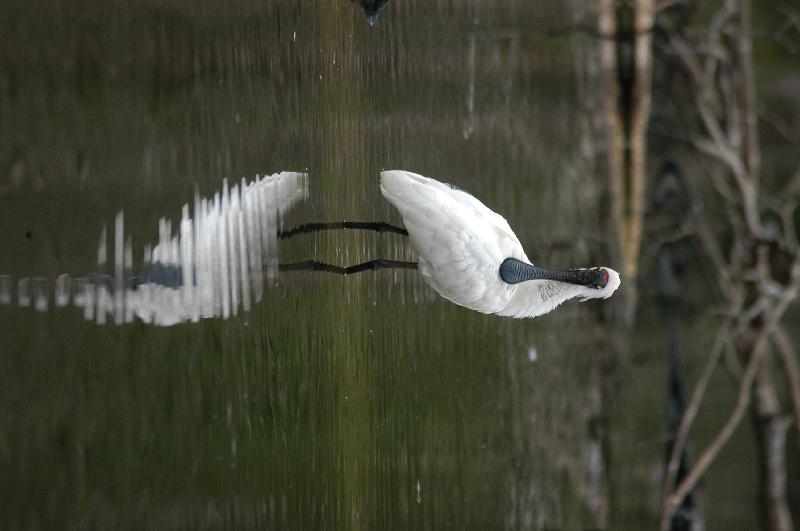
x: 222, y: 230
x: 40, y: 294
x: 63, y: 290
x: 100, y: 291
x: 233, y: 246
x: 204, y: 272
x: 143, y: 295
x: 127, y: 273
x: 24, y: 292
x: 188, y: 289
x: 119, y: 268
x: 243, y: 271
x: 469, y: 126
x: 253, y: 231
x: 5, y: 289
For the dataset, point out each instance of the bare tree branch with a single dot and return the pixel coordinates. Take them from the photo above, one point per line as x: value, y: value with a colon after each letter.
x: 788, y: 357
x: 771, y: 448
x: 698, y: 394
x: 722, y: 90
x: 743, y: 400
x: 732, y: 363
x: 790, y: 231
x: 792, y: 188
x: 720, y: 145
x: 708, y: 240
x: 715, y: 30
x: 771, y: 320
x: 792, y: 22
x: 780, y: 125
x: 749, y: 106
x: 704, y: 461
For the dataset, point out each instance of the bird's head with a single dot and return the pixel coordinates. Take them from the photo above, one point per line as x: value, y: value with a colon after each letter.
x: 601, y: 283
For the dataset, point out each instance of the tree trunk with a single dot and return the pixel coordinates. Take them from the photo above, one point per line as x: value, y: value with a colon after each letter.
x: 770, y: 429
x: 626, y: 56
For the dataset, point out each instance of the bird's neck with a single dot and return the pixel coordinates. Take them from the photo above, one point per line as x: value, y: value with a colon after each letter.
x: 531, y: 299
x: 514, y: 271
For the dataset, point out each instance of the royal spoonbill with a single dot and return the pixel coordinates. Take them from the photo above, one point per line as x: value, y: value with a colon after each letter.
x: 470, y: 256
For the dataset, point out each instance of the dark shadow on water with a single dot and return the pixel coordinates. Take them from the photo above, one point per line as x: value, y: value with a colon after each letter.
x: 372, y: 9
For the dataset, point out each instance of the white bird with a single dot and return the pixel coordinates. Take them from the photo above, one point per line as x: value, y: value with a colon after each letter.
x: 470, y: 256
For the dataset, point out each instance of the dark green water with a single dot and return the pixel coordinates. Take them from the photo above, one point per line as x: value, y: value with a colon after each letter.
x: 337, y: 403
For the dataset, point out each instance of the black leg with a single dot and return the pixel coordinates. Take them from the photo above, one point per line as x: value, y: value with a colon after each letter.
x: 372, y: 265
x: 377, y: 226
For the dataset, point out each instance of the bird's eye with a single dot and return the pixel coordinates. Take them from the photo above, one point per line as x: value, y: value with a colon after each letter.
x: 598, y: 286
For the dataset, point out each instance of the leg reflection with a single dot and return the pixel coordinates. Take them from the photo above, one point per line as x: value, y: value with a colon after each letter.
x: 377, y: 226
x: 372, y: 265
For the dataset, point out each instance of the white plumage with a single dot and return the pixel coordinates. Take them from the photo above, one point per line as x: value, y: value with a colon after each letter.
x: 461, y: 245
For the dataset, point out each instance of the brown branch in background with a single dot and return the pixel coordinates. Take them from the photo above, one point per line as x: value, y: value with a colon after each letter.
x: 689, y: 414
x: 750, y: 109
x: 785, y: 205
x: 753, y: 311
x: 771, y: 320
x: 673, y: 500
x: 716, y: 51
x: 719, y: 145
x: 732, y: 363
x: 706, y: 236
x: 792, y: 188
x: 791, y: 197
x: 788, y: 356
x: 722, y: 149
x: 771, y: 428
x: 790, y: 231
x: 723, y: 98
x: 721, y: 343
x: 729, y: 102
x: 779, y: 124
x: 745, y: 49
x: 791, y: 22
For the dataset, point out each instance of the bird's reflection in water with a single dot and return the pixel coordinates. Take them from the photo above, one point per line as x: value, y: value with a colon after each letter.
x: 213, y: 266
x: 213, y: 263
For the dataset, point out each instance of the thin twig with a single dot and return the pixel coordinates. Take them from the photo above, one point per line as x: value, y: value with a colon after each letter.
x: 732, y: 363
x: 781, y: 126
x: 792, y: 188
x: 707, y: 239
x: 720, y: 145
x: 745, y: 48
x: 792, y: 22
x: 790, y: 231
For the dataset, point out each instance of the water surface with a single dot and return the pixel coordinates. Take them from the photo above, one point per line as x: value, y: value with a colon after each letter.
x: 364, y: 402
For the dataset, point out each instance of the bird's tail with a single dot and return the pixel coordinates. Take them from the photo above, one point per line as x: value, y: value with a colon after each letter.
x: 394, y: 185
x: 392, y: 181
x: 394, y: 178
x: 399, y: 186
